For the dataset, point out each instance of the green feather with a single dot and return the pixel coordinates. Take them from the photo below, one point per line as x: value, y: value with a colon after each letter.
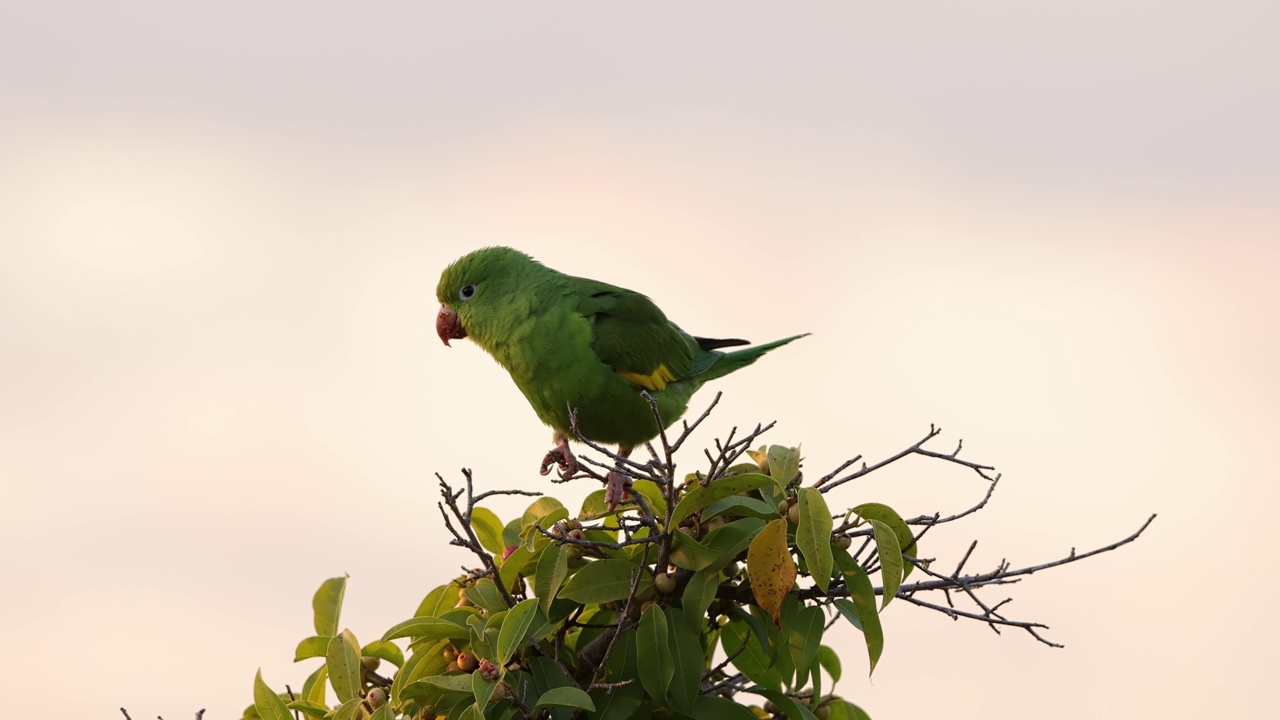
x: 570, y: 341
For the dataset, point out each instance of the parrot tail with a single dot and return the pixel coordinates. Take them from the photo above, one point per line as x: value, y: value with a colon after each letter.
x: 721, y: 364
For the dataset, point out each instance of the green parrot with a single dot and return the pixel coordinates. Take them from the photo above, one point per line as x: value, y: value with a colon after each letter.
x: 572, y: 342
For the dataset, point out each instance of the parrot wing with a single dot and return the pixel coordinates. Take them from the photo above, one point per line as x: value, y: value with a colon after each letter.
x: 634, y: 337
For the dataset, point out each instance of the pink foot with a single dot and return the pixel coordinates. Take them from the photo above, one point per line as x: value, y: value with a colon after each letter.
x: 561, y: 456
x: 615, y: 488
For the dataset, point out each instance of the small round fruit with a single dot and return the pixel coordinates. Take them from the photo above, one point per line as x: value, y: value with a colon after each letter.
x: 452, y: 666
x: 843, y: 542
x: 665, y: 583
x: 370, y: 663
x: 783, y: 506
x: 467, y: 662
x: 377, y: 697
x: 793, y: 515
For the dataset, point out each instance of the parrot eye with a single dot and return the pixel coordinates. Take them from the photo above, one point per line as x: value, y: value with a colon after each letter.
x: 467, y: 292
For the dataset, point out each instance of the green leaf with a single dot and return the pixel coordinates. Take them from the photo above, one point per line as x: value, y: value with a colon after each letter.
x: 425, y: 661
x: 621, y: 703
x: 515, y: 628
x: 327, y: 605
x: 652, y: 496
x: 453, y: 682
x: 383, y: 713
x: 622, y: 662
x: 844, y: 710
x: 748, y: 657
x: 545, y: 625
x: 513, y: 567
x: 384, y: 650
x: 348, y: 710
x: 690, y: 554
x: 815, y: 682
x: 780, y: 636
x: 313, y: 687
x: 770, y: 567
x: 604, y: 581
x: 699, y: 593
x: 830, y: 662
x: 890, y: 560
x: 309, y: 708
x: 485, y: 595
x: 890, y: 517
x: 457, y: 616
x: 793, y: 709
x: 343, y: 659
x: 739, y: 505
x: 702, y: 496
x: 804, y: 638
x: 427, y: 628
x: 813, y: 536
x: 850, y: 611
x: 712, y: 707
x: 545, y: 511
x: 594, y: 507
x: 730, y: 540
x: 570, y: 697
x: 314, y: 646
x: 688, y: 659
x: 470, y: 712
x: 537, y: 510
x: 653, y: 654
x: 784, y: 463
x: 482, y: 689
x: 860, y: 609
x: 759, y: 626
x: 492, y: 629
x: 439, y: 601
x: 546, y: 675
x: 267, y: 703
x: 480, y: 636
x: 511, y: 532
x: 488, y: 530
x: 553, y: 566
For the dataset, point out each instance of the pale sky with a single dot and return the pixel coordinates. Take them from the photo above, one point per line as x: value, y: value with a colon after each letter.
x: 1050, y: 228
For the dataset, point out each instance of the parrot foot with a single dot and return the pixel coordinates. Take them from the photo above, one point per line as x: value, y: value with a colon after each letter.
x: 561, y: 456
x: 616, y: 484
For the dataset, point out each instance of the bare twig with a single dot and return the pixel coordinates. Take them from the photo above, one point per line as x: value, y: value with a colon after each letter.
x: 466, y: 536
x: 830, y: 481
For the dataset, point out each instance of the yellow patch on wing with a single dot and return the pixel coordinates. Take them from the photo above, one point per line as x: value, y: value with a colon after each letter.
x: 655, y: 380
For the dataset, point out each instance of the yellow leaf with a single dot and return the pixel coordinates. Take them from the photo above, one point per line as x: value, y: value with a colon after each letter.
x: 770, y: 567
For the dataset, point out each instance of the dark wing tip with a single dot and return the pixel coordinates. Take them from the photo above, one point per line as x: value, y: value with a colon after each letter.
x: 716, y: 344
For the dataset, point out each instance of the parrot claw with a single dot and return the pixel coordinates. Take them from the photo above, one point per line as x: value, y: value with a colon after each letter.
x: 563, y: 457
x: 615, y: 488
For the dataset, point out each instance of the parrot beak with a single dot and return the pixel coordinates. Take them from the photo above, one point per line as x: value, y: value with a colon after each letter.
x: 448, y: 326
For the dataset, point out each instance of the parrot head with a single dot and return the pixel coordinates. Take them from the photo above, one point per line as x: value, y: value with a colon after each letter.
x: 480, y: 293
